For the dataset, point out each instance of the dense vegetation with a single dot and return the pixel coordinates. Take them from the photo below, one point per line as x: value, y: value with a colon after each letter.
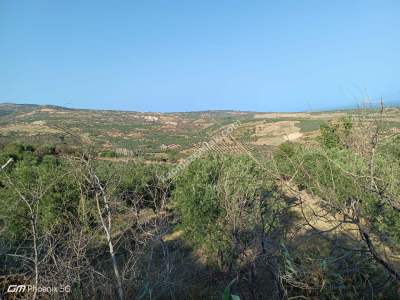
x: 315, y: 221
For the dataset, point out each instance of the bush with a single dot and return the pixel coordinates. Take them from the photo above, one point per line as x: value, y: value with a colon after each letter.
x: 222, y: 202
x: 43, y: 182
x: 335, y: 134
x: 109, y: 153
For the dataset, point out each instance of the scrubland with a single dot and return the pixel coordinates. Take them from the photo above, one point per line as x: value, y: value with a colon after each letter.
x: 285, y: 206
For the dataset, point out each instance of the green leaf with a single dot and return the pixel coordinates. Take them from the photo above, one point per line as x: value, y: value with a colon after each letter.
x: 227, y: 291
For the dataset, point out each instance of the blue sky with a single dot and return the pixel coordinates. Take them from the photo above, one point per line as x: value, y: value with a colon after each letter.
x: 196, y: 55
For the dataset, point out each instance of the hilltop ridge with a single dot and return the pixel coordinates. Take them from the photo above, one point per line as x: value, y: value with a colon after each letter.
x: 160, y: 135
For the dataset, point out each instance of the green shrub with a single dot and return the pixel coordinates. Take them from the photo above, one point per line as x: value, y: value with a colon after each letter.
x: 45, y: 183
x: 335, y: 134
x: 222, y: 202
x: 109, y: 153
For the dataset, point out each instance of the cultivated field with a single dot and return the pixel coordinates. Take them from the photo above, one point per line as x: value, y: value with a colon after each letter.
x: 160, y: 136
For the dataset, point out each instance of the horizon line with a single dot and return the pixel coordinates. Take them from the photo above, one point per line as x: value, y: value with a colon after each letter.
x: 373, y: 104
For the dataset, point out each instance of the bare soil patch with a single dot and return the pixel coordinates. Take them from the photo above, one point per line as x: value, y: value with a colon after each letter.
x: 300, y: 115
x: 276, y: 133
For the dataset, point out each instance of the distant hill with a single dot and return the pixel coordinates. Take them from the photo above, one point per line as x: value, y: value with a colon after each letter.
x: 160, y: 135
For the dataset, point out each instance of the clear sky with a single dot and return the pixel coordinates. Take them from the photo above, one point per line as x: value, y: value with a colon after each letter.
x: 203, y: 54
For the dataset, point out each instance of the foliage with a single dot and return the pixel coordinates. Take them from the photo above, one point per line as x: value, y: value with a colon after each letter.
x: 309, y: 125
x: 360, y: 186
x: 242, y: 217
x: 335, y: 134
x: 109, y: 153
x: 42, y: 180
x: 227, y: 292
x: 220, y: 201
x: 323, y: 270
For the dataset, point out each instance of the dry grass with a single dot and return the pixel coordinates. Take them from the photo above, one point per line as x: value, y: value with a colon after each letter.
x: 300, y: 115
x: 276, y: 133
x: 30, y: 129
